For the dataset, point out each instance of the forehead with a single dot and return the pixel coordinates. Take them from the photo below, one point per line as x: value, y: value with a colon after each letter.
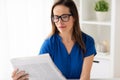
x: 60, y: 9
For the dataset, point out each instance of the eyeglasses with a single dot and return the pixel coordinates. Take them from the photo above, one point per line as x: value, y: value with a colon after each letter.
x: 64, y: 18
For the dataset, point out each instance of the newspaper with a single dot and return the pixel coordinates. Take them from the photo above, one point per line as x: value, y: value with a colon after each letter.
x: 39, y: 67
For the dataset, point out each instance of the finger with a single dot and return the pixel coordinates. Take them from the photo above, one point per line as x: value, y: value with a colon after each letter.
x: 24, y: 77
x: 27, y: 79
x: 14, y: 72
x: 19, y: 75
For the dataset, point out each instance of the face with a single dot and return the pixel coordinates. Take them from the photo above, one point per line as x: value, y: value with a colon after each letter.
x: 63, y: 19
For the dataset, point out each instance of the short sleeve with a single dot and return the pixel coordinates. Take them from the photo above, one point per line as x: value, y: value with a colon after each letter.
x: 90, y: 46
x: 47, y: 47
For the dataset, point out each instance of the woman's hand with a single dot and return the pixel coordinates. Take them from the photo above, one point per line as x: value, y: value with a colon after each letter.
x: 19, y: 75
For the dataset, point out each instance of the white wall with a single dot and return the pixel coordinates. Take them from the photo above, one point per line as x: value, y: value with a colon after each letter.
x: 117, y: 39
x: 24, y: 24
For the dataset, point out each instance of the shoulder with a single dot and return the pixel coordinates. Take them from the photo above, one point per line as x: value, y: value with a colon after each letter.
x: 90, y: 44
x: 87, y: 38
x: 51, y: 39
x: 48, y: 45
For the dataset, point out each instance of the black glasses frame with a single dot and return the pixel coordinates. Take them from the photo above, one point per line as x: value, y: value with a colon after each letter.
x: 63, y: 17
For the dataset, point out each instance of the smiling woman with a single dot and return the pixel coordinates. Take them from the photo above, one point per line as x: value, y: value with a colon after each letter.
x: 23, y: 27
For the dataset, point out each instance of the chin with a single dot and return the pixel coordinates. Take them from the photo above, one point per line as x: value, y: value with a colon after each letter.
x: 62, y: 30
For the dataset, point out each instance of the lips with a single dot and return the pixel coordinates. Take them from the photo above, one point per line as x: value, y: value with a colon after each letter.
x: 62, y: 26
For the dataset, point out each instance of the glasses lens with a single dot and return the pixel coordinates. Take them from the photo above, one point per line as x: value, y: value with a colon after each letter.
x: 55, y: 18
x: 65, y: 17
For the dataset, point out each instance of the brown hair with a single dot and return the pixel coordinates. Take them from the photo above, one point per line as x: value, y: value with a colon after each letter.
x: 77, y: 33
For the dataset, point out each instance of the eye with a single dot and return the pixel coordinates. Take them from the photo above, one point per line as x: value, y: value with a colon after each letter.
x: 64, y: 16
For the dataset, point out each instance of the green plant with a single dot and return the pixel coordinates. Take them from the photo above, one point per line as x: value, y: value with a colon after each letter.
x: 102, y: 6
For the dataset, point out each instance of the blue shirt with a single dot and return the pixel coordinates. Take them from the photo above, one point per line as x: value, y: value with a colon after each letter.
x: 69, y: 64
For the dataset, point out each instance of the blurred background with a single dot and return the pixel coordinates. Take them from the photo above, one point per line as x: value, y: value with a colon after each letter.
x: 24, y: 24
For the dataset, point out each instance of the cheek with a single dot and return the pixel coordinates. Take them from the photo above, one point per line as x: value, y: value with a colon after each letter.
x: 56, y: 24
x: 71, y: 24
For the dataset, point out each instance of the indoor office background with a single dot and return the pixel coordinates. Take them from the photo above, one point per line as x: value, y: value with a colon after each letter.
x: 24, y: 24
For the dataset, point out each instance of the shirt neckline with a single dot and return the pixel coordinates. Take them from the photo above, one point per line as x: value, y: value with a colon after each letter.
x: 60, y: 38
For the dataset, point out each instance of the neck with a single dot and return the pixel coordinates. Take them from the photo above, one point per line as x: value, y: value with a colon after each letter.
x: 67, y: 37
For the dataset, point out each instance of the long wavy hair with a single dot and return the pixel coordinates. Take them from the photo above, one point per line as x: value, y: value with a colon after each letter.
x: 77, y: 33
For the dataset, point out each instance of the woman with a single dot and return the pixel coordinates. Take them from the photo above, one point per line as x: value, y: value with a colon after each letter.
x: 71, y: 50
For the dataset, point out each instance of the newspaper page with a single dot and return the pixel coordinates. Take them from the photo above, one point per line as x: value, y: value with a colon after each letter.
x: 39, y: 67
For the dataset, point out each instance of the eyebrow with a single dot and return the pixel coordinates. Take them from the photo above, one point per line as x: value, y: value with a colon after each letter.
x: 63, y: 14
